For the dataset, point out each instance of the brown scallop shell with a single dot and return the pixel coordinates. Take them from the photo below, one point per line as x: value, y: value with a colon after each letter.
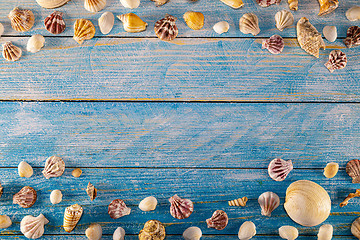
x: 337, y: 60
x: 54, y: 167
x: 166, y: 28
x: 91, y: 191
x: 352, y: 37
x: 278, y: 169
x: 218, y: 220
x: 54, y: 23
x: 11, y: 52
x: 21, y: 20
x: 153, y: 230
x: 26, y: 197
x: 117, y: 208
x: 274, y: 44
x: 180, y: 208
x: 353, y: 170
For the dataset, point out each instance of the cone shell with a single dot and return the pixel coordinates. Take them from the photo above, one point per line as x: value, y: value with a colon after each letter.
x: 33, y: 227
x: 238, y: 202
x: 72, y: 216
x: 180, y: 208
x: 353, y: 170
x: 194, y: 20
x: 278, y: 169
x: 293, y: 5
x: 26, y: 197
x: 21, y: 20
x: 218, y: 220
x: 332, y: 168
x: 337, y: 60
x: 233, y: 3
x: 327, y: 6
x: 266, y: 3
x: 91, y: 191
x: 352, y: 37
x: 153, y: 230
x: 51, y: 3
x: 117, y: 208
x: 54, y: 167
x: 268, y: 202
x: 283, y: 19
x: 330, y: 33
x: 308, y: 37
x: 249, y: 23
x: 325, y: 232
x: 355, y: 228
x: 94, y: 5
x: 353, y: 13
x: 54, y: 23
x: 132, y: 23
x: 11, y: 52
x: 106, y: 22
x: 166, y: 28
x: 275, y: 45
x: 192, y: 233
x: 288, y: 232
x: 159, y: 3
x: 83, y: 30
x: 247, y: 230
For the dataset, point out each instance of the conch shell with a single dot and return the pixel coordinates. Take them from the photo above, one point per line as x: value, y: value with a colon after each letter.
x: 325, y: 232
x: 11, y: 52
x: 194, y: 20
x: 192, y: 233
x: 180, y: 208
x: 327, y: 6
x: 54, y: 167
x: 51, y: 3
x: 268, y: 202
x: 26, y: 197
x: 166, y: 28
x: 94, y: 5
x: 283, y: 19
x: 233, y: 3
x: 308, y: 37
x: 293, y: 5
x: 352, y: 37
x: 307, y: 203
x: 247, y: 230
x: 83, y: 30
x: 218, y: 220
x: 355, y: 228
x: 132, y: 22
x: 21, y: 20
x: 153, y: 230
x: 353, y: 170
x: 72, y: 216
x: 249, y: 23
x: 33, y: 227
x: 288, y: 232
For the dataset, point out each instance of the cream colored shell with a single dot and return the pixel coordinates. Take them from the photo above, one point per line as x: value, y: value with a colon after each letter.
x: 35, y: 43
x: 106, y: 22
x: 94, y: 232
x: 330, y: 33
x: 72, y: 216
x: 94, y: 5
x: 293, y: 5
x: 233, y: 3
x: 132, y: 22
x: 352, y: 14
x: 25, y: 170
x: 249, y: 23
x: 119, y: 234
x: 1, y: 29
x: 11, y: 52
x: 56, y: 197
x: 308, y: 37
x: 355, y: 228
x: 148, y: 204
x: 51, y: 3
x: 325, y: 232
x: 130, y: 3
x: 288, y: 232
x: 5, y: 221
x: 192, y: 233
x: 221, y: 27
x: 331, y: 170
x: 283, y: 19
x: 33, y: 227
x: 247, y: 230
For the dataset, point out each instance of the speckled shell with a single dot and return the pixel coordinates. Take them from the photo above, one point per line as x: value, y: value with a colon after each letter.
x: 327, y: 6
x: 159, y: 3
x: 51, y: 3
x: 180, y: 208
x: 166, y: 28
x: 83, y: 30
x: 21, y: 20
x: 218, y: 220
x: 355, y: 228
x: 238, y: 202
x: 337, y: 60
x: 54, y: 23
x: 352, y: 37
x: 293, y: 5
x: 275, y: 45
x: 194, y: 20
x: 249, y: 23
x: 153, y: 230
x: 33, y: 227
x: 266, y: 3
x: 233, y: 3
x: 268, y: 202
x: 94, y: 5
x: 132, y: 22
x: 117, y: 208
x: 54, y: 167
x: 91, y: 191
x: 11, y: 52
x: 278, y: 169
x: 26, y: 197
x: 72, y: 216
x: 283, y: 19
x: 353, y: 170
x: 308, y: 37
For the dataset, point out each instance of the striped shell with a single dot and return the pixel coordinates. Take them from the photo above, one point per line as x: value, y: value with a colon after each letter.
x: 337, y: 60
x: 33, y: 227
x: 218, y: 220
x: 72, y: 216
x: 21, y: 20
x: 238, y: 202
x: 54, y: 167
x: 275, y: 44
x: 308, y: 37
x: 117, y: 208
x: 180, y: 208
x: 11, y: 52
x: 283, y: 19
x: 353, y: 170
x: 153, y: 230
x: 266, y: 3
x: 268, y: 202
x: 166, y: 28
x: 278, y: 169
x: 94, y: 5
x: 26, y: 197
x: 91, y: 191
x: 54, y: 23
x: 352, y: 37
x: 249, y: 23
x: 83, y: 30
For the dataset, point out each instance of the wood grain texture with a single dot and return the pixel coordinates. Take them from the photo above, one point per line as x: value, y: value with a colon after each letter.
x: 172, y: 237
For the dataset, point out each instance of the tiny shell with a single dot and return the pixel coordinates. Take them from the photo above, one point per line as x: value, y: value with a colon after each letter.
x: 91, y: 191
x: 117, y: 208
x: 249, y: 23
x: 355, y: 228
x: 218, y: 220
x: 153, y: 230
x: 26, y: 197
x: 180, y: 208
x: 54, y: 23
x: 56, y: 197
x: 51, y: 3
x: 35, y: 43
x: 308, y: 37
x: 159, y: 3
x: 54, y: 167
x: 83, y: 30
x: 275, y: 45
x: 132, y: 22
x: 266, y: 3
x: 94, y: 5
x: 94, y: 232
x: 283, y: 19
x: 130, y: 3
x: 166, y: 29
x: 1, y: 190
x: 148, y: 204
x: 221, y: 27
x: 76, y: 172
x: 106, y: 22
x: 11, y: 52
x: 325, y: 232
x: 247, y: 230
x: 5, y: 221
x: 119, y: 234
x: 330, y: 33
x: 293, y: 5
x: 192, y: 233
x: 194, y: 20
x: 233, y: 3
x: 352, y: 14
x: 1, y: 29
x: 72, y: 216
x: 288, y: 232
x: 268, y: 202
x: 25, y: 170
x: 21, y: 20
x: 238, y: 202
x: 33, y: 227
x: 350, y: 196
x: 353, y: 170
x: 332, y: 168
x: 352, y: 37
x: 278, y: 169
x: 327, y: 6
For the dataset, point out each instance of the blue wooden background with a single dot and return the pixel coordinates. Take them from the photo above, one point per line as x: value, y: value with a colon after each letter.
x: 201, y: 116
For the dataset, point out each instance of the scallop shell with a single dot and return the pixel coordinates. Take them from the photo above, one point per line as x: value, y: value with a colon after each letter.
x: 352, y: 14
x: 278, y: 169
x: 132, y: 23
x: 337, y: 60
x: 352, y: 37
x: 249, y: 23
x: 327, y: 6
x: 11, y: 52
x: 94, y: 5
x: 192, y: 233
x: 148, y: 204
x: 166, y: 28
x: 266, y: 3
x: 238, y: 202
x: 194, y: 20
x: 283, y: 19
x: 56, y: 197
x: 119, y: 234
x: 51, y: 3
x: 54, y: 167
x: 221, y: 27
x: 218, y: 220
x: 268, y: 202
x: 233, y: 3
x: 117, y: 208
x: 35, y: 43
x: 25, y: 170
x: 159, y: 3
x: 1, y: 29
x: 33, y: 227
x: 76, y: 172
x: 350, y: 196
x: 54, y: 23
x: 94, y: 232
x: 21, y: 20
x: 91, y: 191
x: 5, y: 221
x: 355, y: 228
x: 130, y: 3
x: 293, y: 5
x: 353, y: 170
x: 106, y: 22
x: 308, y: 37
x: 72, y: 216
x: 325, y: 232
x: 153, y: 230
x: 26, y: 197
x: 83, y: 30
x: 332, y: 168
x: 247, y: 230
x: 180, y: 208
x: 288, y: 232
x: 330, y: 33
x: 275, y: 45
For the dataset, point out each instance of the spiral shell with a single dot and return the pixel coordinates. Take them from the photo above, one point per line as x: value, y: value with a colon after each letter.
x: 51, y: 3
x: 11, y: 52
x: 83, y: 30
x: 238, y: 202
x: 117, y: 208
x: 283, y: 19
x: 266, y: 3
x: 268, y: 202
x: 353, y: 13
x: 249, y: 23
x: 180, y: 208
x: 288, y: 232
x: 337, y: 60
x: 355, y: 228
x: 54, y: 167
x: 278, y: 169
x: 218, y: 220
x: 275, y: 44
x: 166, y: 28
x: 21, y: 20
x: 91, y: 191
x: 293, y: 5
x: 308, y: 37
x: 94, y: 5
x: 33, y: 227
x: 132, y: 22
x: 233, y: 3
x: 153, y: 230
x: 352, y: 37
x: 327, y: 6
x: 26, y: 197
x: 72, y: 216
x: 247, y: 230
x: 194, y: 20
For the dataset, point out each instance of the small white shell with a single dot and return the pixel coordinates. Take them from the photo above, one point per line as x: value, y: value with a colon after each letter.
x: 247, y: 230
x: 221, y: 27
x: 325, y: 232
x: 33, y: 227
x: 148, y: 204
x: 1, y: 29
x: 288, y: 232
x: 192, y: 233
x: 330, y: 33
x: 268, y: 202
x: 5, y: 221
x: 56, y: 197
x: 35, y: 43
x: 94, y: 232
x: 283, y: 19
x: 119, y: 234
x: 130, y: 3
x: 352, y: 14
x: 25, y: 170
x: 106, y: 22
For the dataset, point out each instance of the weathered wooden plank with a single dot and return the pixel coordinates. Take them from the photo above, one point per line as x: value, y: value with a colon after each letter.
x: 171, y: 237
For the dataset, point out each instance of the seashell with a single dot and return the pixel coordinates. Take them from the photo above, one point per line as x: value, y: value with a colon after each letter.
x: 275, y: 45
x: 278, y: 169
x: 350, y: 196
x: 337, y: 60
x: 283, y: 19
x: 106, y: 22
x: 247, y: 230
x: 51, y: 3
x: 293, y: 5
x: 21, y: 20
x: 94, y: 5
x: 221, y: 27
x: 192, y: 233
x: 54, y: 167
x: 117, y: 208
x: 33, y: 227
x: 11, y: 52
x: 233, y: 3
x: 159, y: 3
x: 56, y: 197
x: 72, y: 216
x: 266, y: 3
x: 148, y: 204
x: 83, y: 30
x: 25, y: 170
x: 154, y: 230
x: 35, y: 43
x: 130, y: 3
x: 166, y: 28
x: 288, y: 232
x: 308, y: 37
x: 352, y: 14
x: 94, y: 232
x: 330, y: 33
x: 325, y: 232
x: 1, y: 190
x: 307, y: 203
x: 332, y: 168
x: 327, y: 6
x: 180, y: 208
x: 355, y: 228
x: 26, y: 197
x: 54, y: 23
x: 91, y: 191
x: 132, y: 23
x: 5, y: 221
x: 238, y: 202
x: 218, y: 220
x: 194, y: 20
x: 76, y: 172
x: 353, y: 170
x: 119, y: 234
x: 268, y: 201
x: 249, y: 23
x: 1, y: 29
x: 352, y: 37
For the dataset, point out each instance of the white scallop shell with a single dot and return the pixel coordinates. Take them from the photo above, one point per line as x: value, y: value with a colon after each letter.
x: 56, y: 197
x: 54, y: 167
x: 130, y: 3
x: 249, y: 23
x: 283, y: 19
x: 325, y: 232
x: 221, y: 27
x: 106, y: 22
x: 288, y: 232
x: 51, y: 3
x: 192, y: 233
x: 35, y: 43
x: 119, y: 234
x: 148, y: 204
x: 33, y: 227
x: 268, y: 202
x: 94, y: 5
x: 94, y: 232
x: 352, y: 14
x: 330, y: 33
x: 247, y: 230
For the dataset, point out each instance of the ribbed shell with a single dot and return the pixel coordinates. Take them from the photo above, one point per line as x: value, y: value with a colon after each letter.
x: 54, y: 23
x: 268, y: 202
x: 153, y: 230
x: 51, y: 3
x: 337, y: 60
x: 117, y: 208
x: 238, y: 202
x: 26, y: 197
x: 352, y: 37
x: 283, y: 19
x: 54, y: 167
x: 180, y: 208
x: 166, y: 28
x: 353, y: 170
x: 194, y: 20
x: 72, y: 216
x: 91, y: 191
x: 327, y: 6
x: 218, y: 220
x: 275, y: 44
x: 249, y: 23
x: 132, y: 22
x: 355, y: 228
x: 293, y: 5
x: 33, y: 227
x: 278, y: 169
x: 308, y: 37
x: 94, y: 5
x: 21, y: 20
x: 11, y: 52
x: 266, y: 3
x: 83, y: 30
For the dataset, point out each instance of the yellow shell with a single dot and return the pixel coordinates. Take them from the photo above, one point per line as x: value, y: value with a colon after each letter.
x: 132, y: 22
x: 238, y: 202
x: 293, y: 5
x: 233, y: 3
x: 327, y: 6
x: 21, y: 20
x: 83, y: 30
x: 195, y: 20
x: 308, y: 37
x: 11, y: 52
x: 331, y: 170
x: 72, y: 216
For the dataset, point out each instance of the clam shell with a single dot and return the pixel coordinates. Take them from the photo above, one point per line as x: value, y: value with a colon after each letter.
x: 21, y: 20
x: 1, y: 29
x: 117, y: 208
x: 35, y: 43
x: 247, y: 230
x: 166, y: 29
x: 94, y: 5
x: 330, y: 33
x: 249, y: 23
x: 278, y: 169
x: 353, y: 170
x: 238, y: 202
x: 5, y: 221
x: 218, y: 220
x: 72, y: 216
x: 283, y: 19
x: 194, y: 20
x: 33, y: 227
x: 56, y: 197
x: 54, y: 167
x: 159, y: 3
x: 268, y: 202
x: 119, y: 234
x: 94, y: 232
x: 352, y: 37
x: 293, y: 5
x: 288, y: 232
x: 106, y: 22
x: 54, y: 23
x: 275, y: 45
x: 332, y: 168
x: 192, y: 233
x: 25, y: 170
x: 180, y: 208
x: 76, y: 172
x: 337, y: 60
x: 153, y: 230
x: 91, y: 191
x: 308, y: 37
x: 11, y: 52
x: 26, y: 197
x: 132, y: 23
x: 325, y: 232
x: 352, y: 14
x: 221, y: 27
x: 83, y: 30
x: 148, y: 204
x: 327, y: 6
x: 51, y: 3
x: 266, y: 3
x: 233, y: 3
x: 355, y: 228
x: 130, y: 3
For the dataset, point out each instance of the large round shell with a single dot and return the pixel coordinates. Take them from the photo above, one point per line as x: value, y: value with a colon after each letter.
x: 33, y: 227
x: 54, y: 167
x: 268, y: 202
x: 308, y: 37
x: 352, y: 37
x: 11, y: 52
x: 26, y: 197
x: 21, y: 20
x: 278, y: 169
x: 337, y: 60
x: 54, y: 23
x: 166, y: 28
x: 247, y: 230
x: 94, y: 5
x: 83, y: 30
x: 72, y: 216
x: 117, y: 208
x: 353, y: 170
x: 153, y: 230
x: 180, y: 208
x: 249, y: 23
x: 218, y: 220
x: 283, y: 19
x: 51, y: 3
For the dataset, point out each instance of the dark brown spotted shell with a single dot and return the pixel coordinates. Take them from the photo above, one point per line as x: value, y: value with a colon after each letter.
x: 117, y: 208
x: 26, y: 197
x: 278, y: 169
x: 353, y: 170
x: 54, y: 167
x: 54, y: 23
x: 153, y: 230
x: 266, y: 3
x: 352, y: 37
x: 219, y: 220
x: 166, y: 28
x: 337, y: 60
x: 91, y: 191
x: 180, y: 208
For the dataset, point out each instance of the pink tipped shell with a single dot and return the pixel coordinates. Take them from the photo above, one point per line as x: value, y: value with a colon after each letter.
x: 352, y: 37
x: 337, y: 60
x: 117, y: 208
x: 54, y: 23
x: 353, y: 170
x: 26, y: 197
x: 266, y: 3
x: 54, y: 167
x: 180, y: 208
x: 279, y: 169
x: 218, y: 220
x: 268, y: 202
x: 275, y: 44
